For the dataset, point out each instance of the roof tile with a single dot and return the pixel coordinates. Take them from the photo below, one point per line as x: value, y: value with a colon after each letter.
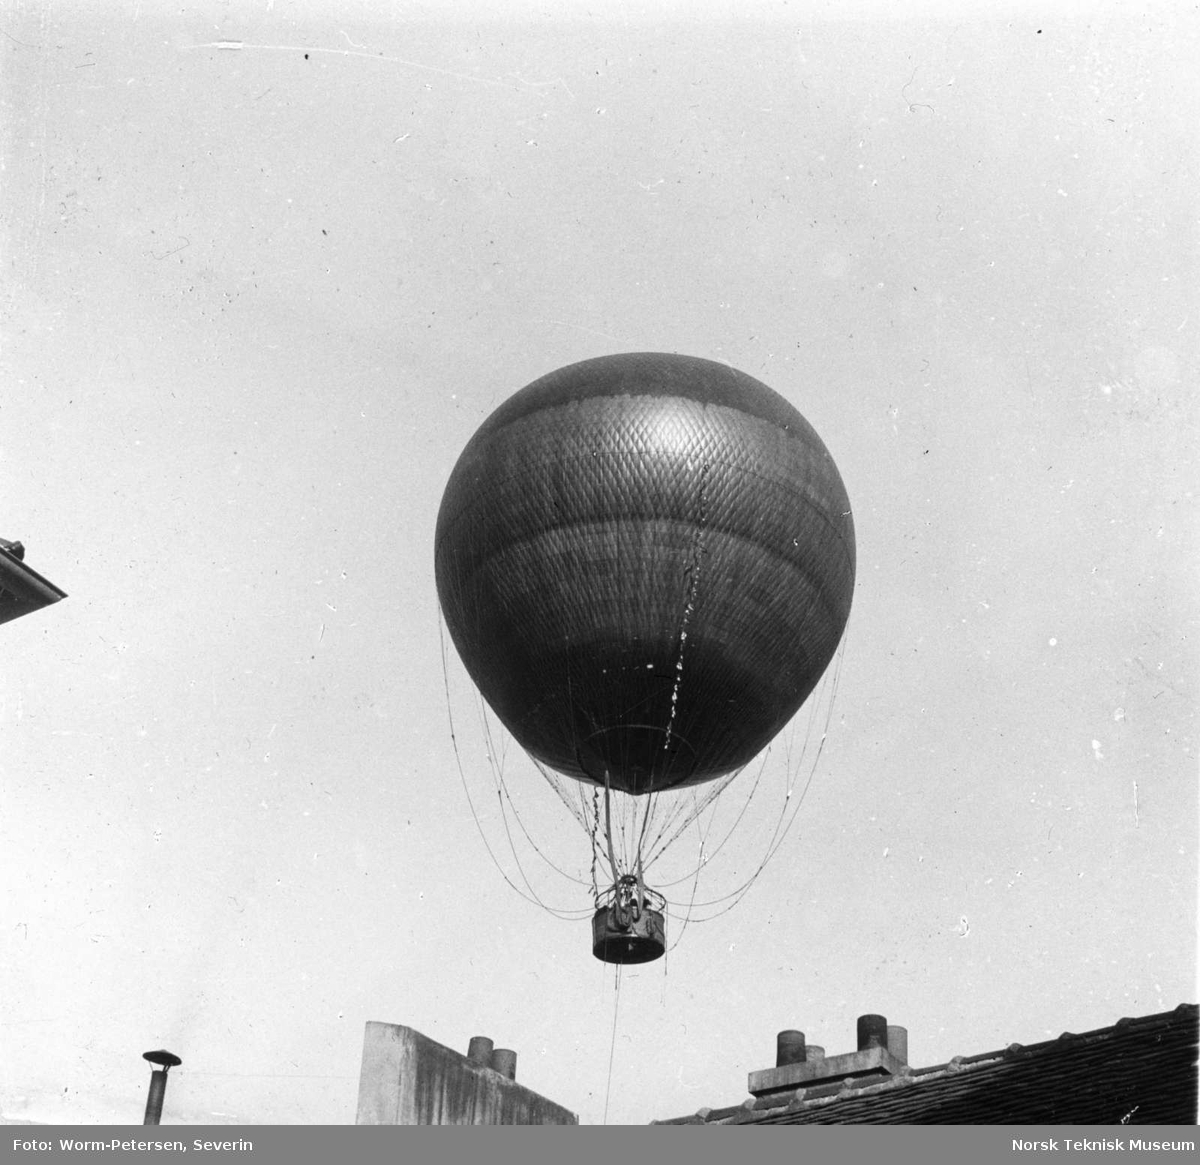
x: 1139, y: 1071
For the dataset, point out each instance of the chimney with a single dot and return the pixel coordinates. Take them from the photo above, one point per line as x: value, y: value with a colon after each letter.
x: 409, y: 1079
x: 872, y: 1032
x: 483, y: 1051
x: 504, y: 1061
x: 882, y: 1052
x: 789, y: 1048
x: 479, y: 1051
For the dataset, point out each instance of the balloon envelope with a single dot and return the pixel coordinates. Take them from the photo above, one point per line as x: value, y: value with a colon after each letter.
x: 646, y: 562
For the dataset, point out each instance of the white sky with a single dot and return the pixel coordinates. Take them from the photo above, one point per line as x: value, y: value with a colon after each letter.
x: 257, y: 301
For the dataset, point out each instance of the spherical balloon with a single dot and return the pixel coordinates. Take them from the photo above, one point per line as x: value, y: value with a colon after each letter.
x: 646, y: 562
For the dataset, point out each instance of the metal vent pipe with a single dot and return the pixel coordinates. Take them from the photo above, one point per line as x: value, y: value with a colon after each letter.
x: 158, y: 1083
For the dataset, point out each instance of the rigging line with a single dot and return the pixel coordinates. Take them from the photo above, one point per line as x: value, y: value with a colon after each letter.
x: 651, y: 802
x: 688, y: 910
x: 708, y: 803
x: 814, y: 713
x: 734, y: 825
x: 703, y: 829
x: 501, y: 784
x: 684, y: 811
x: 462, y: 774
x: 512, y: 849
x: 682, y: 815
x: 576, y: 809
x: 558, y: 912
x: 630, y: 841
x: 687, y: 914
x: 685, y: 921
x: 559, y: 785
x: 560, y: 792
x: 816, y: 759
x: 828, y: 685
x: 680, y: 805
x: 784, y: 821
x: 503, y: 794
x: 734, y: 896
x: 695, y: 880
x: 777, y: 836
x: 502, y: 788
x: 740, y: 892
x: 612, y: 1047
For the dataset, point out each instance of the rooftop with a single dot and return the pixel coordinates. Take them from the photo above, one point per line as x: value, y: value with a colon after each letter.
x: 22, y: 589
x: 1139, y: 1071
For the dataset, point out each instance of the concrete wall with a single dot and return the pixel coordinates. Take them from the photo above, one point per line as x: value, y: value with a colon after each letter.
x: 409, y: 1079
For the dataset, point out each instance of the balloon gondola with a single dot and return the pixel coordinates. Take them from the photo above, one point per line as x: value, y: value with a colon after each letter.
x: 646, y: 563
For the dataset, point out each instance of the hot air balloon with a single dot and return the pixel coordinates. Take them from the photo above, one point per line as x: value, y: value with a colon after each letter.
x: 646, y: 562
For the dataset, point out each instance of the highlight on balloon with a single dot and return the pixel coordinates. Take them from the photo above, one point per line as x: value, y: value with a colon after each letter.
x: 645, y: 563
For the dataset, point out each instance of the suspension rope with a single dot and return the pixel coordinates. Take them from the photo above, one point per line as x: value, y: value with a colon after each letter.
x: 612, y: 1047
x: 734, y: 896
x: 462, y: 776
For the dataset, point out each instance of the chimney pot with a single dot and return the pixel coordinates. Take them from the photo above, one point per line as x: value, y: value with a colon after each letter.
x: 897, y: 1042
x: 872, y: 1032
x: 479, y: 1051
x: 789, y: 1048
x: 815, y: 1052
x: 504, y: 1061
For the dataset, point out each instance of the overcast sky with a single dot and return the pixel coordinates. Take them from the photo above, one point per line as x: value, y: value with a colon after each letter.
x: 268, y: 267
